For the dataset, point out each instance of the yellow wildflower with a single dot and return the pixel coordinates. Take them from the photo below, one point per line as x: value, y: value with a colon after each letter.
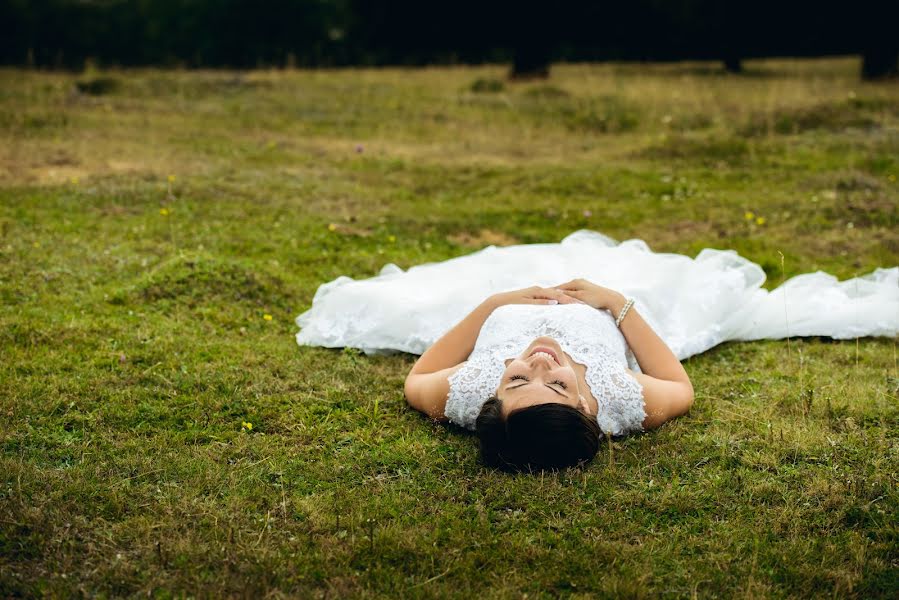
x: 74, y: 181
x: 332, y: 227
x: 391, y: 238
x: 760, y: 221
x: 164, y: 211
x: 171, y: 179
x: 749, y: 215
x: 247, y: 425
x: 267, y: 317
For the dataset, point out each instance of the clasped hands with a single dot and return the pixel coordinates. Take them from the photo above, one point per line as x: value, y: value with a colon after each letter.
x: 576, y: 291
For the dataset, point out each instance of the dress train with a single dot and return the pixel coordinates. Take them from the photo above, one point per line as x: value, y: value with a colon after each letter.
x: 692, y: 303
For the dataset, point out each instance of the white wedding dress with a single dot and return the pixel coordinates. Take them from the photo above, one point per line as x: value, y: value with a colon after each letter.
x: 692, y: 303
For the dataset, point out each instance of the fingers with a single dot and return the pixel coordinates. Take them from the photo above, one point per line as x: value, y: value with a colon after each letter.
x: 569, y: 300
x: 555, y: 295
x: 569, y: 297
x: 549, y: 296
x: 552, y: 296
x: 573, y: 297
x: 548, y: 293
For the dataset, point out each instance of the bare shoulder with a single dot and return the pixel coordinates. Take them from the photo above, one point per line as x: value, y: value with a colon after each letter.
x: 663, y: 399
x: 428, y: 392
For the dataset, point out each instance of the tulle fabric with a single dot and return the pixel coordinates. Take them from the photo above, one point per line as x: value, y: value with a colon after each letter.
x: 692, y: 303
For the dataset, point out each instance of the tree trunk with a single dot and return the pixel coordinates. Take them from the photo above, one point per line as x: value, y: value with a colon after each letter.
x: 880, y: 62
x: 530, y: 62
x: 876, y: 28
x: 733, y: 64
x: 532, y: 30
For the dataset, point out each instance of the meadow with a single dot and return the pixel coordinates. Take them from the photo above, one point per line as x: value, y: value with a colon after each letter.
x: 163, y: 435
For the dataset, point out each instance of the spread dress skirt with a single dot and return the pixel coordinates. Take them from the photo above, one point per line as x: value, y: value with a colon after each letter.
x: 692, y: 303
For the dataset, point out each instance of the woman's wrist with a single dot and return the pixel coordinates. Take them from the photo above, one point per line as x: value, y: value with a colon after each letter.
x: 492, y: 302
x: 615, y: 304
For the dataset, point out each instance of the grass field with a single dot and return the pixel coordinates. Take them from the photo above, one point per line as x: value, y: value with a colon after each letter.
x: 162, y: 435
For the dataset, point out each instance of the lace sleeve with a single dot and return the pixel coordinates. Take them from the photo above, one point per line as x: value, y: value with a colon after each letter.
x: 470, y: 387
x: 621, y: 405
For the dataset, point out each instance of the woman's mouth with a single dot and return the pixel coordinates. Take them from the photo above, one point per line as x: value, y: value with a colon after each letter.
x: 548, y: 351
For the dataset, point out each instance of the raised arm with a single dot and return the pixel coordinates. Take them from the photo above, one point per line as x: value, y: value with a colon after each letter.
x: 667, y: 390
x: 427, y: 384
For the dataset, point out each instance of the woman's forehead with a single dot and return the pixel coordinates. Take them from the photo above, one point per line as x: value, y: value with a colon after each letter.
x: 531, y: 396
x: 519, y: 390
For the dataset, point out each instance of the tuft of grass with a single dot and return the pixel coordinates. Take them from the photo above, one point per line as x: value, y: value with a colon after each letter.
x: 202, y: 279
x: 98, y: 86
x: 603, y: 114
x: 730, y: 151
x: 854, y: 114
x: 487, y: 85
x: 606, y: 114
x: 546, y: 92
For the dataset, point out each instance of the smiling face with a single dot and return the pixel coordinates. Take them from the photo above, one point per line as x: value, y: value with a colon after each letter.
x: 540, y: 375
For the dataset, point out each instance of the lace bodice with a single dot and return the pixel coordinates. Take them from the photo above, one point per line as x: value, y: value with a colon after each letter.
x: 590, y: 338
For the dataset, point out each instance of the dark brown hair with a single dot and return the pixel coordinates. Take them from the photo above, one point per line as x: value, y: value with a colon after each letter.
x: 542, y: 437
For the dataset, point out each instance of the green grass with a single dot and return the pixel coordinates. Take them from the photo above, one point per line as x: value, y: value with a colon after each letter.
x: 134, y: 344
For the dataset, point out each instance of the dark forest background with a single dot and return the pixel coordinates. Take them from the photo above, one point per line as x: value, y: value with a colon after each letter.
x: 311, y: 33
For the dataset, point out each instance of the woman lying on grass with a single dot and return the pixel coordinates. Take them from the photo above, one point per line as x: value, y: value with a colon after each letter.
x: 542, y: 373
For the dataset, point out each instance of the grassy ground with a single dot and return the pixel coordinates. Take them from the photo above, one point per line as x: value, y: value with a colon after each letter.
x: 161, y: 230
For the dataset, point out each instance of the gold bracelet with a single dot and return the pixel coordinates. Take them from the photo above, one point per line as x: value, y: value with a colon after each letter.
x: 624, y: 309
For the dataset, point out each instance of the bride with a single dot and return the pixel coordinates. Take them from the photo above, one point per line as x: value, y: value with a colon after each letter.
x: 542, y: 372
x: 553, y: 399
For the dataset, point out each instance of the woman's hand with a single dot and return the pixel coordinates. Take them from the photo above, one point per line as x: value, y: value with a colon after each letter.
x: 531, y: 295
x: 594, y: 295
x: 456, y: 345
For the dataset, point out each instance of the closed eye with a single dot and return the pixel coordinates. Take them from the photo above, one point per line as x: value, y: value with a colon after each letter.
x: 562, y: 384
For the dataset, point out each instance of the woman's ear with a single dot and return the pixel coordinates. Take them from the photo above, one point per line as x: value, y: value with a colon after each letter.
x: 582, y: 404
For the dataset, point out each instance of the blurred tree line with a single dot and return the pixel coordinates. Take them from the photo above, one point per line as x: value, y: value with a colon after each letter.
x: 260, y: 33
